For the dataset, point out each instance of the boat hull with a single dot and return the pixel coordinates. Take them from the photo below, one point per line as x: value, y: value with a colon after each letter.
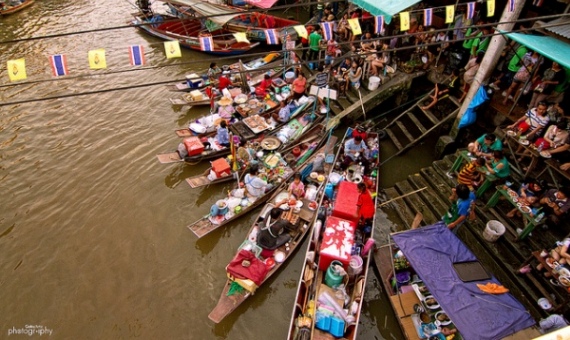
x: 15, y: 9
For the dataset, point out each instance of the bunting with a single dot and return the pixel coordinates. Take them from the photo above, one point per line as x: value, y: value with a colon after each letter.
x: 271, y: 37
x: 97, y: 59
x: 136, y: 53
x: 355, y: 26
x: 511, y: 6
x: 470, y: 10
x: 241, y: 37
x: 490, y: 8
x: 327, y: 30
x: 379, y: 24
x: 404, y: 21
x: 428, y: 15
x: 172, y: 49
x: 16, y: 69
x: 449, y: 14
x: 301, y: 31
x: 58, y: 65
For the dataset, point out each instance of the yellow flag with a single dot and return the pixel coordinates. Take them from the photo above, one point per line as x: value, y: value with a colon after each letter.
x: 404, y: 21
x: 241, y: 37
x: 17, y: 69
x: 449, y: 14
x: 490, y: 8
x: 301, y: 31
x: 172, y: 49
x: 97, y: 59
x: 354, y: 26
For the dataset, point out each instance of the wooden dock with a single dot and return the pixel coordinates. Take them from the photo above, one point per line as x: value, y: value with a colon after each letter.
x: 502, y: 258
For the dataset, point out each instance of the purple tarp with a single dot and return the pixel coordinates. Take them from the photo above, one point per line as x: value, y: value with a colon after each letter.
x: 431, y: 251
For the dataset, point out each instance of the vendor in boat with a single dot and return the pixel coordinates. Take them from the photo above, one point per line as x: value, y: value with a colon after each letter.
x: 226, y: 109
x: 213, y: 72
x: 299, y: 86
x: 365, y: 204
x: 297, y: 188
x: 272, y: 234
x: 223, y: 135
x: 254, y: 185
x: 224, y: 81
x: 265, y: 86
x: 284, y: 113
x: 354, y: 150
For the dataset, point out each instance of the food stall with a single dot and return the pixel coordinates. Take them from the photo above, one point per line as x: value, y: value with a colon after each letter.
x: 439, y: 290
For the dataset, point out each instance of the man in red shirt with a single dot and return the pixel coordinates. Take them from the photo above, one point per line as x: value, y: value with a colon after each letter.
x: 224, y: 81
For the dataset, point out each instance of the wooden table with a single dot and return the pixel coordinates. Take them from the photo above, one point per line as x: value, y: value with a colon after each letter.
x: 531, y: 221
x: 529, y: 150
x: 489, y: 179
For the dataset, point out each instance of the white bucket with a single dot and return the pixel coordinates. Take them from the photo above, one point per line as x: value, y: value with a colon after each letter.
x: 493, y: 230
x: 373, y: 83
x: 355, y: 265
x: 289, y: 77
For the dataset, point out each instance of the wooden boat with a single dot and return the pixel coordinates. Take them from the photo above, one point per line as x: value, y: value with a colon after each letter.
x: 188, y: 33
x: 300, y: 224
x: 208, y: 223
x: 247, y: 129
x: 7, y: 9
x: 313, y: 293
x: 191, y: 98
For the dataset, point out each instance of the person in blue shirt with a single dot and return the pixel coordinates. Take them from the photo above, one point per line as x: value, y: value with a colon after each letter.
x: 463, y: 201
x: 223, y: 136
x: 354, y: 150
x: 284, y: 113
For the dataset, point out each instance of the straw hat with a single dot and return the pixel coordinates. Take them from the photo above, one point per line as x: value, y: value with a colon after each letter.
x: 225, y: 101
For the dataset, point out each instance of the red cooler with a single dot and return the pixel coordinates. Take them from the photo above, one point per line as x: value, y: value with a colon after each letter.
x: 345, y: 203
x: 193, y: 145
x: 221, y: 167
x: 338, y: 239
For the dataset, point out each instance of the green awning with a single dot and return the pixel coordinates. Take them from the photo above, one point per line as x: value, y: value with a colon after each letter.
x: 549, y: 47
x: 387, y: 8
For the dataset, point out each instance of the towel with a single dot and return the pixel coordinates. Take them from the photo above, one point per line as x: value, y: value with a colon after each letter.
x: 492, y: 288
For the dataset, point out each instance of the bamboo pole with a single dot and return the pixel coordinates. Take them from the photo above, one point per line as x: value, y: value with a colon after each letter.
x: 401, y: 196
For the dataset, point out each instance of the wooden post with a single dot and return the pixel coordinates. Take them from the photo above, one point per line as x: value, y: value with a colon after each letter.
x: 491, y: 58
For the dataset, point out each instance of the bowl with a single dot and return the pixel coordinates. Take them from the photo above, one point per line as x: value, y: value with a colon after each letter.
x: 279, y: 256
x: 544, y: 303
x: 442, y: 318
x: 564, y: 280
x: 321, y: 178
x: 313, y: 205
x: 314, y: 175
x: 430, y: 305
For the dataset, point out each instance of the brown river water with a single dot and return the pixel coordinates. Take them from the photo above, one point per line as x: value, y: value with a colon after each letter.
x: 92, y: 228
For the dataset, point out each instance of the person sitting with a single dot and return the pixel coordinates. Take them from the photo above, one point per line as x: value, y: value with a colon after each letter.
x: 532, y: 122
x: 271, y: 235
x: 226, y: 109
x: 463, y: 201
x: 224, y: 81
x: 527, y: 201
x: 469, y: 175
x: 354, y: 75
x: 222, y: 135
x: 377, y: 64
x: 354, y: 148
x: 284, y: 113
x: 213, y: 72
x: 555, y: 136
x: 264, y: 86
x: 499, y: 165
x: 441, y: 91
x: 559, y: 254
x: 485, y: 145
x: 299, y: 86
x: 254, y: 185
x: 365, y: 205
x: 297, y: 188
x: 555, y: 204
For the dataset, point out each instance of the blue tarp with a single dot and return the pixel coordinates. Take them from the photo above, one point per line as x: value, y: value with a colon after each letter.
x: 470, y: 116
x: 431, y: 251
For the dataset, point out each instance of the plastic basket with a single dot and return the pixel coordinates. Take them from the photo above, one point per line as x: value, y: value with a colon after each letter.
x: 254, y: 247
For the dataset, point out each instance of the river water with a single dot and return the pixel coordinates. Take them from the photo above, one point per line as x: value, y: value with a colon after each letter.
x: 92, y: 227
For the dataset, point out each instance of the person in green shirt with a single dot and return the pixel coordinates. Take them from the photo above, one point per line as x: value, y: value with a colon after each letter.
x: 485, y: 145
x: 315, y: 44
x: 481, y: 42
x: 514, y: 65
x: 499, y: 165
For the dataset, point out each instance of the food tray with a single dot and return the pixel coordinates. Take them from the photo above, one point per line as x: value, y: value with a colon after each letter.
x: 471, y: 271
x: 256, y: 123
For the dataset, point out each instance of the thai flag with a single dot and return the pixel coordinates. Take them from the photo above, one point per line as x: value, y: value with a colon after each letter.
x: 58, y: 65
x: 378, y: 24
x: 137, y: 55
x: 428, y: 15
x: 271, y: 37
x: 470, y: 10
x: 206, y: 44
x: 511, y: 5
x: 327, y: 30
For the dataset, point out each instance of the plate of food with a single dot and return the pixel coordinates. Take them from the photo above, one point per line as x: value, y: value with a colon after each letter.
x: 564, y: 272
x: 512, y: 193
x: 431, y: 302
x: 524, y: 142
x: 511, y: 133
x: 313, y: 205
x: 551, y: 262
x: 442, y: 319
x: 515, y: 199
x: 564, y: 280
x: 526, y: 209
x: 545, y: 154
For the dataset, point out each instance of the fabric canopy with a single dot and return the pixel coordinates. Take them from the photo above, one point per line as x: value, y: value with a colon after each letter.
x: 551, y: 48
x: 261, y: 3
x: 431, y: 251
x: 387, y: 8
x: 216, y: 13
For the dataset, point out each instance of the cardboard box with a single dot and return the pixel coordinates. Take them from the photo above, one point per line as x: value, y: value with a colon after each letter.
x: 196, y: 95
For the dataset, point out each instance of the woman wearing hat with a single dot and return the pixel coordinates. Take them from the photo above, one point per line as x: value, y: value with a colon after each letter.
x: 226, y: 109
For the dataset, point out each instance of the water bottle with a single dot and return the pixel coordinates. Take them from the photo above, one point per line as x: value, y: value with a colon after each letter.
x: 539, y: 217
x: 540, y: 146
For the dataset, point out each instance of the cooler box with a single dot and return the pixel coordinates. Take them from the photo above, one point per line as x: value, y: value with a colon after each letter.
x: 193, y: 80
x: 221, y: 167
x: 338, y: 239
x: 196, y: 95
x: 346, y: 207
x: 193, y: 145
